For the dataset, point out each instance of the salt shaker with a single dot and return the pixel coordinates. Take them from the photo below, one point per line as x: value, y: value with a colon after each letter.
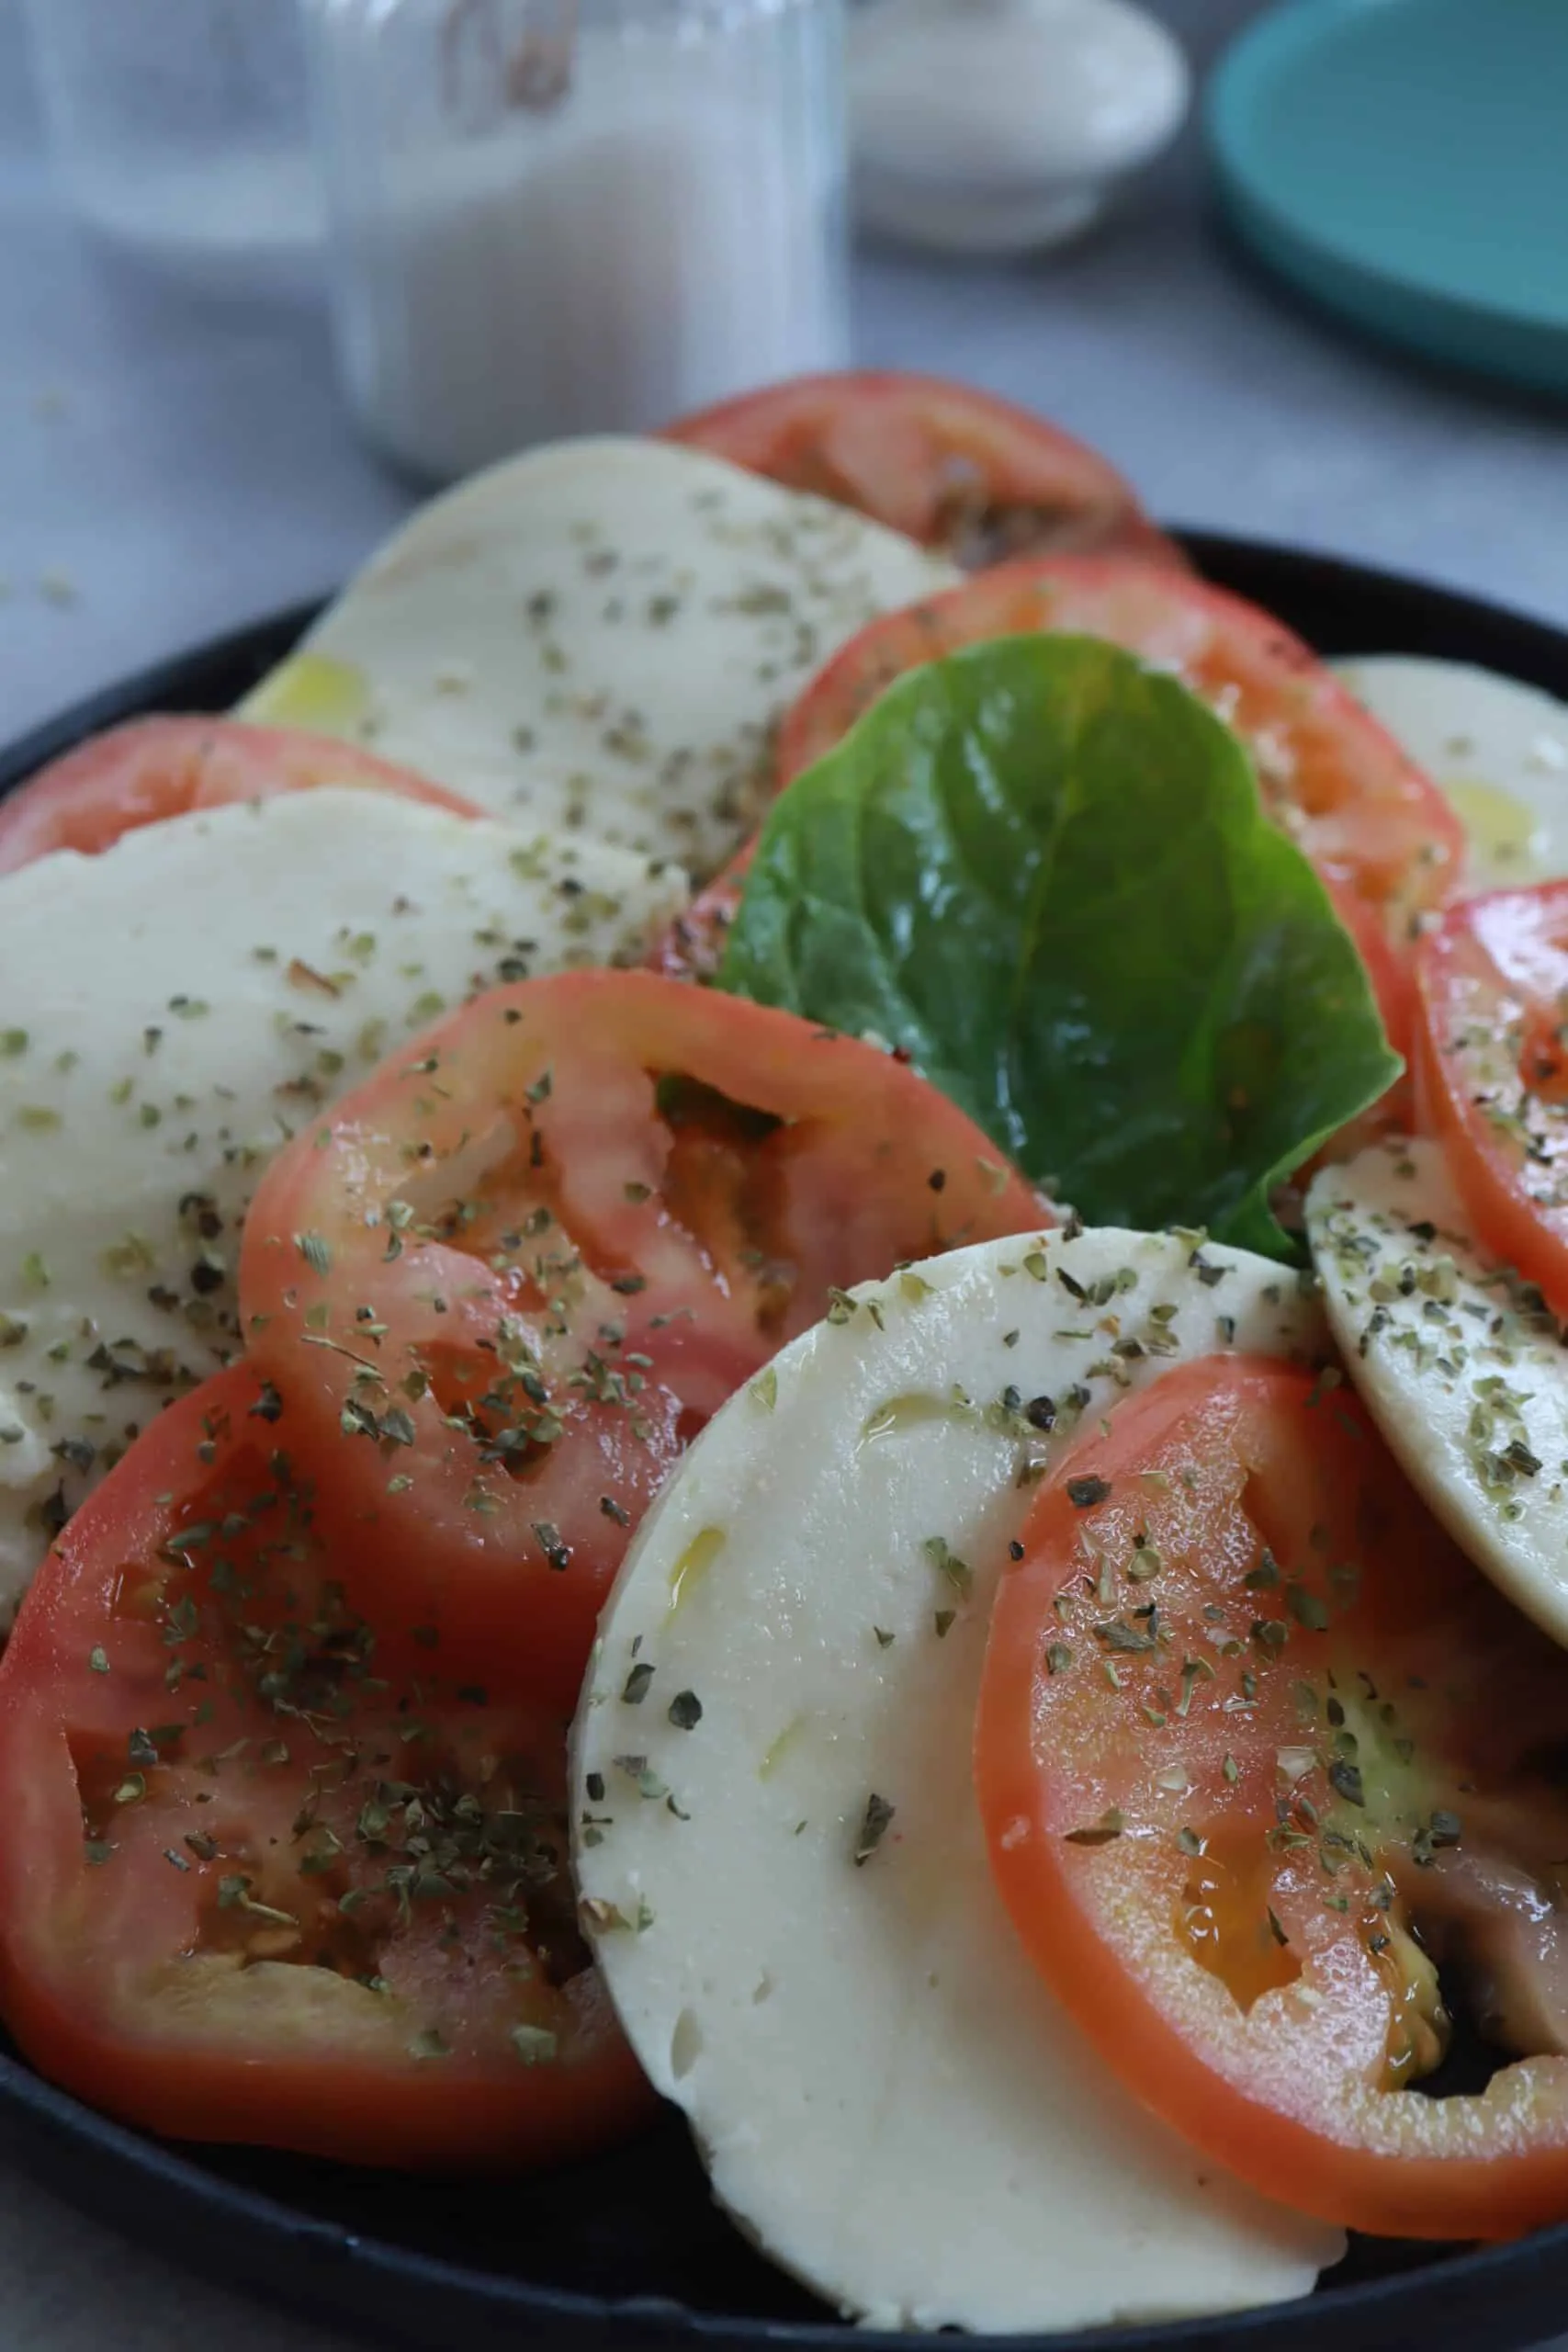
x: 178, y: 130
x: 550, y: 217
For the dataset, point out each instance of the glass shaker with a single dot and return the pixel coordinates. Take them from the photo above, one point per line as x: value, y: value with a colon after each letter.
x: 550, y: 217
x: 179, y: 130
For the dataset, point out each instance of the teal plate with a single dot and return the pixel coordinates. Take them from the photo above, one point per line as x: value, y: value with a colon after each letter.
x: 1406, y: 162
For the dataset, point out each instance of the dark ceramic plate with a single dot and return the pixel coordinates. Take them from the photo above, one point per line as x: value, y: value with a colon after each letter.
x: 628, y: 2250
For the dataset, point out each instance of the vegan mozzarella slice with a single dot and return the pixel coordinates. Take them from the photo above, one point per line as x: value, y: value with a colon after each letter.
x: 778, y: 1846
x: 1462, y: 1366
x: 599, y: 636
x: 169, y: 1012
x: 1499, y: 750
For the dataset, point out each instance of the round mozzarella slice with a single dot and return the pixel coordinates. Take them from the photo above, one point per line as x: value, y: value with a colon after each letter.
x: 1462, y: 1366
x: 180, y: 1004
x: 1498, y: 749
x: 779, y: 1850
x: 599, y: 636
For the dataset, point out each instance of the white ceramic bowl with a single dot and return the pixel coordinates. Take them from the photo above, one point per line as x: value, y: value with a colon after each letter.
x: 1003, y: 126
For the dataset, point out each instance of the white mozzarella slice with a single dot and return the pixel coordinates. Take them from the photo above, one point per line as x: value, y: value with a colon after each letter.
x: 886, y: 2095
x: 599, y: 636
x: 169, y: 1013
x: 1462, y: 1367
x: 1498, y: 749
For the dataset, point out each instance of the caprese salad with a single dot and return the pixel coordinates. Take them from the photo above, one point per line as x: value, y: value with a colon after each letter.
x: 779, y: 1327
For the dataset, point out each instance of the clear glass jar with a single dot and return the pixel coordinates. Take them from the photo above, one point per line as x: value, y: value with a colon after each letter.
x: 580, y: 222
x: 179, y: 128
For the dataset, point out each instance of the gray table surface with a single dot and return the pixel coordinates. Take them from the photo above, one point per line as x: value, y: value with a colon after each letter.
x: 169, y: 467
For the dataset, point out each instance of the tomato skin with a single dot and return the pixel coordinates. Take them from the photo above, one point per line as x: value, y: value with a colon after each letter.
x: 1492, y: 983
x: 1136, y: 1836
x: 953, y: 468
x: 153, y: 768
x: 1388, y: 969
x: 114, y: 1973
x: 550, y: 1340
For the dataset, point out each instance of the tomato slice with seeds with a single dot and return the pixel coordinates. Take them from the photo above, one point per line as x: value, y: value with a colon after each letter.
x: 153, y: 768
x: 515, y: 1273
x: 1491, y: 1071
x: 263, y: 1877
x: 955, y: 468
x: 1380, y: 834
x: 1255, y: 1746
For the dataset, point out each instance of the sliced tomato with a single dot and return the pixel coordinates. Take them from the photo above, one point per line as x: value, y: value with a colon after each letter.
x: 1254, y: 1744
x: 692, y: 946
x: 1492, y: 1069
x: 955, y: 468
x: 1380, y: 834
x: 517, y: 1271
x: 153, y: 768
x: 263, y: 1876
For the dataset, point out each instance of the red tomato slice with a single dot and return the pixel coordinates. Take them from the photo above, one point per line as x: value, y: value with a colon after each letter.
x: 1254, y: 1744
x: 153, y: 768
x: 1492, y: 1069
x: 692, y: 946
x: 520, y: 1268
x: 262, y: 1877
x: 955, y: 468
x: 1379, y: 831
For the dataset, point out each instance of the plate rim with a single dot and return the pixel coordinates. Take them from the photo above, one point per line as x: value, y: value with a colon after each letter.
x: 1273, y: 40
x: 110, y: 2170
x: 1496, y: 337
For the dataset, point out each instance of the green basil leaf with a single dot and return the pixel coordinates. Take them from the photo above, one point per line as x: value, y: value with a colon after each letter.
x: 1045, y: 872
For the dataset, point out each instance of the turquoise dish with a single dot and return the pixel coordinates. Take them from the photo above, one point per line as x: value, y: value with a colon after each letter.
x: 1406, y: 163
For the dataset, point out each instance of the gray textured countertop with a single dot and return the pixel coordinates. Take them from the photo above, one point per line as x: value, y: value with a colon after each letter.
x: 169, y: 468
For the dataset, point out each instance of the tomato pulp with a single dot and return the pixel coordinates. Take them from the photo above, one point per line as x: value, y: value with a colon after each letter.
x: 264, y: 1877
x: 1255, y: 1748
x: 1492, y: 1070
x: 958, y: 469
x: 510, y: 1277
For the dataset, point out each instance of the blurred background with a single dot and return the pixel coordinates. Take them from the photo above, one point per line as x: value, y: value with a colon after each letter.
x: 182, y: 447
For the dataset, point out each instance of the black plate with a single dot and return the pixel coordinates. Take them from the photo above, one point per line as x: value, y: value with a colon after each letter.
x: 628, y: 2249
